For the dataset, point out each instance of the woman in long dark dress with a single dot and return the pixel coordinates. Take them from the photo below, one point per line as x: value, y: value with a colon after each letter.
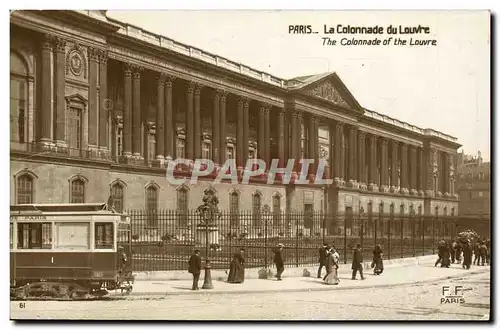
x: 237, y: 268
x: 332, y: 259
x: 378, y: 260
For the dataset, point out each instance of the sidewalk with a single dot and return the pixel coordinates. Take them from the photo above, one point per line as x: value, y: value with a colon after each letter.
x: 425, y: 272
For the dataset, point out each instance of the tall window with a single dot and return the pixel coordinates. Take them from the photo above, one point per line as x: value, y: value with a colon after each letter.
x: 234, y: 209
x: 256, y: 209
x: 119, y: 140
x: 181, y: 147
x: 182, y: 205
x: 24, y: 189
x: 152, y: 205
x: 277, y: 211
x: 78, y: 191
x: 230, y: 152
x: 18, y: 99
x: 206, y: 150
x: 117, y: 196
x: 74, y: 130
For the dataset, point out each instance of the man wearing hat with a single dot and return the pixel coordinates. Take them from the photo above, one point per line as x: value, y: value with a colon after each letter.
x: 278, y: 261
x: 195, y: 268
x: 322, y: 258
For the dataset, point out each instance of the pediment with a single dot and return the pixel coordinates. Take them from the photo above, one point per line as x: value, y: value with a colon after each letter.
x: 330, y: 88
x: 76, y: 99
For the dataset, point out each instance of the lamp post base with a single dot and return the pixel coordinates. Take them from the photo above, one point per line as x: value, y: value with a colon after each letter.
x: 207, y: 282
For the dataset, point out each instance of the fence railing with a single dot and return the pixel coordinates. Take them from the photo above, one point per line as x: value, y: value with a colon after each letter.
x: 164, y: 239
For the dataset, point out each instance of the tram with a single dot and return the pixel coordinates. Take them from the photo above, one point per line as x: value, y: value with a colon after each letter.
x: 69, y: 251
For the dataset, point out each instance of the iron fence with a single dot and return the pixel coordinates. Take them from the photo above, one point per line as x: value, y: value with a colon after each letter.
x: 164, y: 240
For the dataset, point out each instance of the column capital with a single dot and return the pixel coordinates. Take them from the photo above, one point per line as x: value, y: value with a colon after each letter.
x: 296, y: 114
x: 127, y: 68
x: 221, y: 93
x: 46, y: 41
x: 265, y: 106
x: 361, y: 134
x: 281, y: 112
x: 315, y: 119
x: 197, y: 88
x: 339, y: 126
x: 103, y: 56
x: 384, y: 141
x: 243, y: 100
x: 59, y: 44
x: 94, y: 53
x: 190, y: 86
x: 404, y: 146
x: 136, y: 71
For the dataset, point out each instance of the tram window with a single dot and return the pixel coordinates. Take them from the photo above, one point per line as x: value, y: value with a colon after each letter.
x: 34, y: 235
x: 73, y: 235
x: 104, y: 235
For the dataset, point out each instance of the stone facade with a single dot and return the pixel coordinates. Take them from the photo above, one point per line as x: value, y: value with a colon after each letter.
x: 101, y: 112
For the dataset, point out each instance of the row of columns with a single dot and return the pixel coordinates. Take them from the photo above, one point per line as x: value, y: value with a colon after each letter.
x: 349, y: 143
x: 53, y: 118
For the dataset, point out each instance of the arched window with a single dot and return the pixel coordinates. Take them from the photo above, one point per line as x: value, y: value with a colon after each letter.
x: 24, y: 189
x: 182, y: 205
x: 78, y: 191
x: 234, y: 209
x: 256, y: 199
x: 152, y: 205
x: 117, y: 196
x: 276, y: 210
x: 18, y: 99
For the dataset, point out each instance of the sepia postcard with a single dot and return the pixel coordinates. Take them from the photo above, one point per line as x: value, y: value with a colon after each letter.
x: 250, y: 165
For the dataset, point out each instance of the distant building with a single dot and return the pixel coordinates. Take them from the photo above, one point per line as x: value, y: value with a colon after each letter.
x: 473, y: 185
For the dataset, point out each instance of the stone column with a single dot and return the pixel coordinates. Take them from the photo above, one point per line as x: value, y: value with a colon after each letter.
x: 394, y: 166
x: 222, y: 125
x: 160, y: 121
x: 169, y: 126
x: 362, y: 159
x: 281, y: 138
x: 93, y: 102
x: 261, y: 149
x: 352, y: 156
x: 312, y: 145
x: 215, y: 128
x: 136, y: 113
x: 446, y: 173
x: 127, y: 110
x: 298, y: 146
x: 451, y: 177
x: 384, y: 168
x: 190, y: 121
x: 430, y: 171
x: 241, y: 150
x: 372, y: 166
x: 295, y: 140
x: 267, y: 136
x: 59, y: 85
x: 405, y: 189
x: 332, y: 154
x: 104, y: 104
x: 422, y: 186
x: 413, y: 170
x: 46, y: 91
x: 197, y: 122
x: 339, y: 153
x: 246, y: 128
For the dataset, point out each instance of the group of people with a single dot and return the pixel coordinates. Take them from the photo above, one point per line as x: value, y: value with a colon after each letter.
x: 329, y: 258
x: 461, y: 251
x: 236, y: 266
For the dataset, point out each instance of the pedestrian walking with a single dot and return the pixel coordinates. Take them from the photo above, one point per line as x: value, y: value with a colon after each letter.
x: 237, y: 268
x: 477, y: 244
x: 332, y: 260
x: 453, y: 251
x: 445, y: 262
x: 483, y: 252
x: 357, y: 262
x: 279, y: 261
x: 378, y: 264
x: 488, y: 252
x: 467, y: 255
x: 195, y: 268
x: 322, y: 251
x: 440, y: 253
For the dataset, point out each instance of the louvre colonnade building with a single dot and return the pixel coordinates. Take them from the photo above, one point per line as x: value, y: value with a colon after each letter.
x: 99, y: 106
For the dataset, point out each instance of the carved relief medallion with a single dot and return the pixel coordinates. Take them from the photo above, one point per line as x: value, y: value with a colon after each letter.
x: 328, y: 92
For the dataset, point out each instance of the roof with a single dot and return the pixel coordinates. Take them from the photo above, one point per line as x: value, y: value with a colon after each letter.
x: 70, y: 207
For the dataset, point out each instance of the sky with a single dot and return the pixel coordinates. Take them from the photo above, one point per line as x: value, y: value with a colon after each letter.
x: 444, y: 87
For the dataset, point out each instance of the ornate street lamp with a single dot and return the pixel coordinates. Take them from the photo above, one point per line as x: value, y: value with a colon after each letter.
x: 208, y: 212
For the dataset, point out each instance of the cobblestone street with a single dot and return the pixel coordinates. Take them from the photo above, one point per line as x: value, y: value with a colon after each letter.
x: 404, y: 302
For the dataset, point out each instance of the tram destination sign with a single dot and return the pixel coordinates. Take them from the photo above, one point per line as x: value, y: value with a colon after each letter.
x: 26, y: 217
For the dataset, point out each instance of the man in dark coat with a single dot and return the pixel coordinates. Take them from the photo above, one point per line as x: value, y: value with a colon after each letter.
x: 467, y: 249
x: 483, y: 252
x: 476, y: 252
x: 357, y: 262
x: 322, y: 258
x: 278, y: 261
x: 195, y: 268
